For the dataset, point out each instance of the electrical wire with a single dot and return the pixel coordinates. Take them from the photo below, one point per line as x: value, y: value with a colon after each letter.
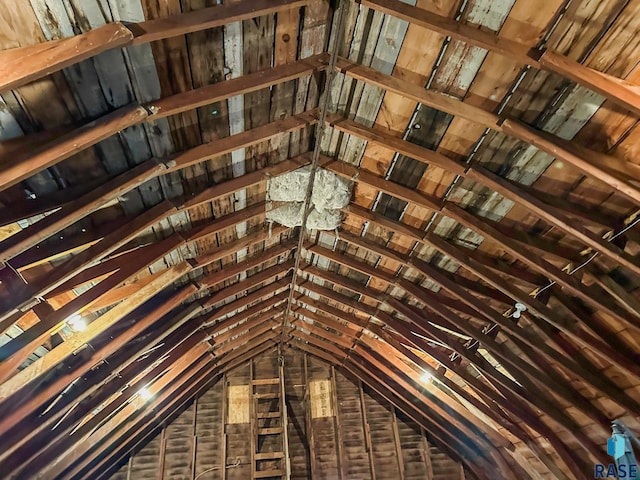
x: 590, y: 259
x: 218, y: 467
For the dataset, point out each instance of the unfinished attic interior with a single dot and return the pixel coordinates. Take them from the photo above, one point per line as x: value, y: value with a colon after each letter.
x: 312, y: 239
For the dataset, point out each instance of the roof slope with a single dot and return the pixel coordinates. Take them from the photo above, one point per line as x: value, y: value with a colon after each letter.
x: 491, y: 238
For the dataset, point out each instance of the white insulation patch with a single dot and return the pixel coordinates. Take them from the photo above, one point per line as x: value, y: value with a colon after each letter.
x: 286, y: 194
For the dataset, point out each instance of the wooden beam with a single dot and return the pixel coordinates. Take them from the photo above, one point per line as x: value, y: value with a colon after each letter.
x: 93, y: 132
x: 602, y: 167
x: 456, y: 253
x: 459, y: 287
x: 244, y: 139
x: 617, y: 174
x: 114, y: 428
x: 587, y: 293
x: 280, y: 269
x: 229, y: 271
x: 555, y: 216
x: 45, y: 364
x: 259, y: 294
x: 234, y: 185
x: 22, y: 65
x: 206, y: 18
x: 454, y: 29
x: 251, y: 82
x: 23, y: 409
x: 351, y: 172
x: 78, y: 209
x: 513, y: 363
x: 535, y: 399
x: 510, y: 403
x: 72, y: 267
x: 15, y: 352
x: 84, y: 419
x: 620, y: 92
x: 69, y: 144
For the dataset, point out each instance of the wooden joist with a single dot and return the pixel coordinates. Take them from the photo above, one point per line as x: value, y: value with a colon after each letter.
x: 44, y: 364
x: 533, y: 395
x: 599, y: 166
x: 196, y: 359
x: 23, y: 410
x: 22, y: 65
x: 65, y: 146
x: 53, y: 152
x: 620, y: 92
x: 510, y: 361
x: 506, y: 188
x: 457, y: 253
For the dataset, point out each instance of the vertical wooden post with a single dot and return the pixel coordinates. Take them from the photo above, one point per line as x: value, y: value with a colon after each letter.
x: 129, y: 465
x: 396, y: 441
x: 307, y: 401
x: 367, y: 433
x: 284, y: 415
x: 163, y: 446
x: 194, y: 439
x: 223, y: 430
x: 253, y: 420
x: 427, y: 454
x: 336, y: 424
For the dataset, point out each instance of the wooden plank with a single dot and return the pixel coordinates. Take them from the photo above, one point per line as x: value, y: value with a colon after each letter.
x: 618, y: 91
x: 239, y: 401
x: 54, y: 357
x: 16, y: 170
x: 26, y: 64
x: 205, y: 18
x: 621, y: 92
x: 241, y: 85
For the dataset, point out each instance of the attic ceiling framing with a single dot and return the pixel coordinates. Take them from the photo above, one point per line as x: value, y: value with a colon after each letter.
x: 385, y: 298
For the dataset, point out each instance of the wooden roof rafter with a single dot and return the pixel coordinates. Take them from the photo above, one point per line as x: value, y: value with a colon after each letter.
x: 518, y: 369
x: 57, y: 54
x: 468, y: 297
x: 490, y: 371
x: 619, y: 91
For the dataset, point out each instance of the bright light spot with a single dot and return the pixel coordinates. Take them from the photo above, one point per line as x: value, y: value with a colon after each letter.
x: 145, y: 394
x: 77, y: 323
x: 426, y: 377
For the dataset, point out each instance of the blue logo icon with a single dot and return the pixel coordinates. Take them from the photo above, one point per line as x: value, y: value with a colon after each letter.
x: 625, y: 466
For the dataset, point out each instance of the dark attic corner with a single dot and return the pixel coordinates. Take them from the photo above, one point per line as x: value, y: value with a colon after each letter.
x: 302, y: 239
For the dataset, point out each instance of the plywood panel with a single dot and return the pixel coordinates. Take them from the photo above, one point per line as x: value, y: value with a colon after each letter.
x: 239, y: 404
x: 320, y: 393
